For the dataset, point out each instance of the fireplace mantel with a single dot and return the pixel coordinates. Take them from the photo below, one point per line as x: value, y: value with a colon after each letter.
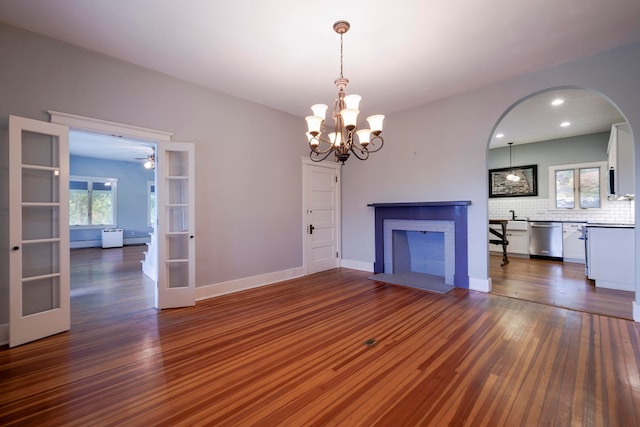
x: 455, y: 211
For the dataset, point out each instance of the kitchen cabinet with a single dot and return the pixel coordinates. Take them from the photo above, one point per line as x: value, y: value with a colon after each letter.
x: 620, y: 160
x: 611, y: 257
x: 518, y: 237
x: 573, y: 247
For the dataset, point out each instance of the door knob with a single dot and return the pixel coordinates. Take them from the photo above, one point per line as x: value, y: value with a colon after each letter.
x: 15, y: 248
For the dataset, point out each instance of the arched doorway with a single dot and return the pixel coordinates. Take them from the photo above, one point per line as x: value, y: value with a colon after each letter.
x: 566, y: 133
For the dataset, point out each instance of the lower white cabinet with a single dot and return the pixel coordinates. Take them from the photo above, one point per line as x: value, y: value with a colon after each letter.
x: 518, y: 242
x: 611, y: 258
x: 517, y: 235
x: 573, y: 248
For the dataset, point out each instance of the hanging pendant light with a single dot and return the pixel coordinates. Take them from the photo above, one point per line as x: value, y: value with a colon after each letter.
x: 341, y: 141
x: 512, y: 176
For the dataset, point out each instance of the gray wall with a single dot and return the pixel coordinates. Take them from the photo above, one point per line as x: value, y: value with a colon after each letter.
x: 565, y: 151
x: 248, y: 184
x: 248, y: 200
x: 439, y: 151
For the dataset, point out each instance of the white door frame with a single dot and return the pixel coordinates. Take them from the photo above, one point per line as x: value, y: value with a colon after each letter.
x: 89, y: 124
x: 308, y: 164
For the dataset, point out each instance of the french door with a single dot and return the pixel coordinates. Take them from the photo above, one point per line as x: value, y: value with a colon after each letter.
x: 39, y: 230
x: 175, y: 231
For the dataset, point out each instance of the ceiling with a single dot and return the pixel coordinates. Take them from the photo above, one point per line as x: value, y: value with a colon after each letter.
x: 108, y: 147
x: 397, y: 55
x: 536, y: 119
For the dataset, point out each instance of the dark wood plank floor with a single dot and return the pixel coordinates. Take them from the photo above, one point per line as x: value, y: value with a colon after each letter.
x: 294, y: 353
x: 559, y: 284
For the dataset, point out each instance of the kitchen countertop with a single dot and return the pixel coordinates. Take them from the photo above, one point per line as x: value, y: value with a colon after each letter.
x: 587, y: 223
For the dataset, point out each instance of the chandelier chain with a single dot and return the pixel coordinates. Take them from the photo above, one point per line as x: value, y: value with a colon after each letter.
x: 341, y: 56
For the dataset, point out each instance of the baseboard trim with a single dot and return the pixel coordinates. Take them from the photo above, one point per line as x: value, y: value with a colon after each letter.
x: 357, y: 265
x: 223, y: 288
x: 480, y: 285
x: 136, y: 240
x: 615, y: 285
x: 636, y: 311
x: 78, y: 244
x: 4, y: 334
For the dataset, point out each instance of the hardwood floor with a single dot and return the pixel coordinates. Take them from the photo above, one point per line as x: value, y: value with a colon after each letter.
x: 108, y: 282
x: 294, y: 353
x: 559, y: 284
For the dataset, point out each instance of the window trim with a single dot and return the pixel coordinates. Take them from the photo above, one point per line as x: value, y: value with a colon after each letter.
x: 576, y: 166
x: 114, y: 206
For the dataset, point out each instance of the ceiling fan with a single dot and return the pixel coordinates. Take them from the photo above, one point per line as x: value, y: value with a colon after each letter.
x: 149, y: 161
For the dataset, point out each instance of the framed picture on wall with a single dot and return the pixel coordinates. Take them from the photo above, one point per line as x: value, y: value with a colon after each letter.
x: 514, y: 181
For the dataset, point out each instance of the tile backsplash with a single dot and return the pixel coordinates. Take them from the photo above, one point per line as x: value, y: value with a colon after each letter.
x: 613, y: 212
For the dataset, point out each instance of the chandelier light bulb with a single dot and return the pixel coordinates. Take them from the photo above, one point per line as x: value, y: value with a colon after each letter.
x: 313, y: 124
x: 363, y: 136
x: 319, y: 110
x: 350, y: 117
x: 148, y: 164
x: 335, y: 138
x: 312, y: 140
x: 375, y: 122
x: 352, y: 101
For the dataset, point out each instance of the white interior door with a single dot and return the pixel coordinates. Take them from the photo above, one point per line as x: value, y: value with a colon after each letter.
x: 39, y: 230
x: 321, y: 212
x: 175, y: 232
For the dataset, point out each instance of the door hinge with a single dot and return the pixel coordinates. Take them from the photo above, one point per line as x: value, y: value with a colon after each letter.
x: 336, y: 254
x: 336, y: 178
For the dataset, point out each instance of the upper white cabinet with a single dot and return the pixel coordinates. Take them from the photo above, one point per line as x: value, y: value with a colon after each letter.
x: 620, y: 160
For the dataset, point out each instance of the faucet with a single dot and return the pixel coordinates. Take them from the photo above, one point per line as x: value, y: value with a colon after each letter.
x: 513, y: 214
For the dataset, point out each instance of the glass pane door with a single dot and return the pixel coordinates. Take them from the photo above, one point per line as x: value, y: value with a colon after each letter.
x: 176, y: 275
x: 39, y: 260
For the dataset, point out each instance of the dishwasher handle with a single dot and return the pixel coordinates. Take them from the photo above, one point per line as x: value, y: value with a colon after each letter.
x: 544, y: 226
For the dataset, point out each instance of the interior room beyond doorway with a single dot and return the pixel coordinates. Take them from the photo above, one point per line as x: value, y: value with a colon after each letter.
x: 558, y: 284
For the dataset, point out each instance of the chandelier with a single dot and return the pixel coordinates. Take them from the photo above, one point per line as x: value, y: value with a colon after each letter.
x: 341, y: 141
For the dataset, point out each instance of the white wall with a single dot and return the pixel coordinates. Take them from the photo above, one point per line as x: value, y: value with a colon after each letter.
x: 439, y: 151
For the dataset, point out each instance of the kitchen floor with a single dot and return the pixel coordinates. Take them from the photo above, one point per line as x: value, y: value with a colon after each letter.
x: 558, y: 284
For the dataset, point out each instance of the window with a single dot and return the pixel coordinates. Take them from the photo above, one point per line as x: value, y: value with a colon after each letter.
x: 92, y: 201
x: 151, y: 203
x: 577, y: 186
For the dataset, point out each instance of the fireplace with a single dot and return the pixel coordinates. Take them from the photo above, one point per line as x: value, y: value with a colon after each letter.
x: 424, y: 241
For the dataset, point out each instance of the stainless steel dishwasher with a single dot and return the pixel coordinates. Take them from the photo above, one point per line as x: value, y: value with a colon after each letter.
x: 545, y: 240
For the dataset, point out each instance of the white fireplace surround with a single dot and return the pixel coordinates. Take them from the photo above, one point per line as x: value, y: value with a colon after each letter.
x: 446, y: 227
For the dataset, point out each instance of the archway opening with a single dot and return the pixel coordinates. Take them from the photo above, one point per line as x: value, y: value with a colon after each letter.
x: 572, y: 152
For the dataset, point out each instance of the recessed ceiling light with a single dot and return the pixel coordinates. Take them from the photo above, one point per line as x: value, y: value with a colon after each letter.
x: 565, y: 124
x: 557, y: 101
x: 499, y: 135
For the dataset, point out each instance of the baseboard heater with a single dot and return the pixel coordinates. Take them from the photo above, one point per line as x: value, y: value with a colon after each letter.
x: 112, y: 238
